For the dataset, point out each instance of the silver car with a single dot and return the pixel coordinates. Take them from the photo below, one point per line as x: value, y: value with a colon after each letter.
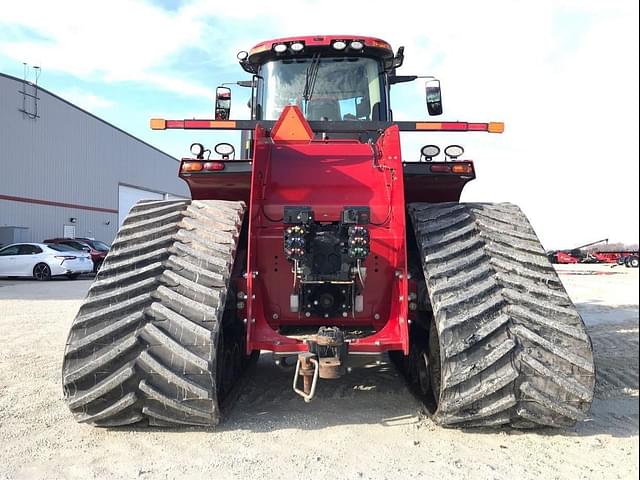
x: 43, y: 261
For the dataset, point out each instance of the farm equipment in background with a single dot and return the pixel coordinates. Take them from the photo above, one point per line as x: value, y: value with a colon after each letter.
x: 574, y: 255
x: 321, y: 245
x: 581, y: 255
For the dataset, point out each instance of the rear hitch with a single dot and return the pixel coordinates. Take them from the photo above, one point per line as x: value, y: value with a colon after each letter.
x: 329, y: 345
x: 325, y: 359
x: 307, y: 367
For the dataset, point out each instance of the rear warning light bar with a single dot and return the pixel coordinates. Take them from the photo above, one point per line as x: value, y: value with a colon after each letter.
x: 491, y: 127
x: 332, y: 127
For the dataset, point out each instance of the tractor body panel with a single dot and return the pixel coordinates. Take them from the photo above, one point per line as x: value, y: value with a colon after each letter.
x: 327, y: 176
x: 232, y: 182
x: 421, y: 184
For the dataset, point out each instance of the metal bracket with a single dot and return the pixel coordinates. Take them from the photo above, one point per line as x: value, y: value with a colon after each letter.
x: 309, y: 388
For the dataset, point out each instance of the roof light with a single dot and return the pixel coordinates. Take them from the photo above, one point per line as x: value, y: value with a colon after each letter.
x: 297, y: 47
x: 242, y: 55
x: 339, y: 45
x: 356, y: 45
x: 430, y: 151
x: 379, y: 44
x: 259, y: 49
x: 453, y: 151
x: 280, y: 48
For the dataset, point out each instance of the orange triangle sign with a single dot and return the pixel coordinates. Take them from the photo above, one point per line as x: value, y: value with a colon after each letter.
x: 291, y: 127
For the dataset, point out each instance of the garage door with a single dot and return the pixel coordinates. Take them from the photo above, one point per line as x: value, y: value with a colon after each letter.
x: 128, y: 196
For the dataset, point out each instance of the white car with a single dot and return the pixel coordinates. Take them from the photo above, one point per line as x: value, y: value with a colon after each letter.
x: 43, y: 261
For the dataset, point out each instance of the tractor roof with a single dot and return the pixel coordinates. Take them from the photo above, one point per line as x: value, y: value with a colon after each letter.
x: 265, y: 51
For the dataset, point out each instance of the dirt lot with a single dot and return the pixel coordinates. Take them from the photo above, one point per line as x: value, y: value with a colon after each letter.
x: 366, y: 425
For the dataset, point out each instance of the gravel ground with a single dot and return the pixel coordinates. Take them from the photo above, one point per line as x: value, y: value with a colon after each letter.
x: 365, y: 425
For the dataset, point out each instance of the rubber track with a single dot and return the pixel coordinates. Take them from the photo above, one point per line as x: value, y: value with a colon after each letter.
x: 513, y: 348
x: 143, y: 345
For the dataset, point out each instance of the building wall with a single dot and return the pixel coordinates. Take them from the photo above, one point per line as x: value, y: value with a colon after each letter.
x: 68, y: 164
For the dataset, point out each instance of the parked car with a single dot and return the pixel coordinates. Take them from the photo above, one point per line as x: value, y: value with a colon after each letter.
x: 97, y: 249
x: 42, y: 261
x: 97, y: 244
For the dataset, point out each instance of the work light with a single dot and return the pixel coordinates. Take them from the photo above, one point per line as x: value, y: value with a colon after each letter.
x: 280, y: 48
x: 430, y: 151
x: 453, y: 151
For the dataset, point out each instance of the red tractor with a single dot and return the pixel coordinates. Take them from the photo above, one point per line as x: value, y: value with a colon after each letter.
x: 321, y: 245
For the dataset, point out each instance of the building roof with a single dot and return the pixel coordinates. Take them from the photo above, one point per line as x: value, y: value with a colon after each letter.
x: 11, y: 77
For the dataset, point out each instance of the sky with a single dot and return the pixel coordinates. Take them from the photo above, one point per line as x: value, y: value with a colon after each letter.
x: 562, y: 75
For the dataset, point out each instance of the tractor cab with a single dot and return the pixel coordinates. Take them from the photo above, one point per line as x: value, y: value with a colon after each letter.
x: 330, y: 78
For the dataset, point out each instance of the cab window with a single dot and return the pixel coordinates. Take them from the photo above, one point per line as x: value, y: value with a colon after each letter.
x: 325, y: 88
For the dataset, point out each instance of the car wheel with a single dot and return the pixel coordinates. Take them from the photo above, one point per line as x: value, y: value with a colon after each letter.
x: 634, y: 262
x: 73, y: 276
x: 42, y: 272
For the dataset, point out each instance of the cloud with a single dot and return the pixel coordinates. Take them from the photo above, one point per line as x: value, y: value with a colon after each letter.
x: 117, y: 41
x: 86, y: 100
x: 562, y: 74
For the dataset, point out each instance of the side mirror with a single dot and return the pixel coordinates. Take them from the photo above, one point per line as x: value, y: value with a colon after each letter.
x: 434, y: 97
x: 223, y: 103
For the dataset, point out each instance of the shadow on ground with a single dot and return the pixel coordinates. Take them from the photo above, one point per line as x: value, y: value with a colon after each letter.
x: 377, y: 394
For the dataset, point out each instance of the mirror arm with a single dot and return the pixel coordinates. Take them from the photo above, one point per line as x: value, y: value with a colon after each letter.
x: 240, y: 83
x: 401, y: 79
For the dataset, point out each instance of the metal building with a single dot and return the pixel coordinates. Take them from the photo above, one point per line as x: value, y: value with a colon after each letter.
x: 66, y: 172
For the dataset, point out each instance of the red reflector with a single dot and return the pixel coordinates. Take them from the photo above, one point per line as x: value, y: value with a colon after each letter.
x: 440, y: 168
x: 213, y: 166
x: 462, y: 126
x: 462, y: 168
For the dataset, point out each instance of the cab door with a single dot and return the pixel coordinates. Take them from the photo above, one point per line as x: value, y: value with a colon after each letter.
x: 8, y: 260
